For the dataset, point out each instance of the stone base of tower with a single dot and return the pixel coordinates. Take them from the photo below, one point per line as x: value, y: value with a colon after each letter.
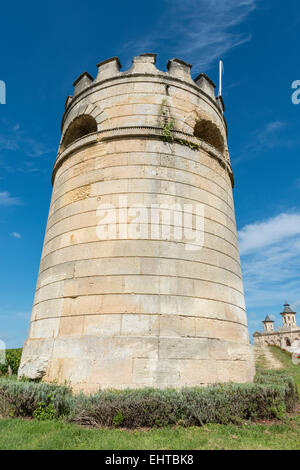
x: 90, y: 363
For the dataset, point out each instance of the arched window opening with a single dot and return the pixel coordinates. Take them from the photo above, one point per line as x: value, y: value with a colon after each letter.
x: 287, y: 342
x: 81, y: 126
x: 209, y: 132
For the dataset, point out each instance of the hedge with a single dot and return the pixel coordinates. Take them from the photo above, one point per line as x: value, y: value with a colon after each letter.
x: 270, y: 396
x: 23, y: 398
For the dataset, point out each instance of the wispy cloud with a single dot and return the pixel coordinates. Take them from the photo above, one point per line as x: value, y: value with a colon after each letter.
x: 273, y: 126
x: 16, y: 235
x: 13, y: 138
x: 199, y: 31
x: 7, y: 200
x: 270, y: 253
x: 268, y: 136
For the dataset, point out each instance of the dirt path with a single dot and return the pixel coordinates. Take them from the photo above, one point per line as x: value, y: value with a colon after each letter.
x: 268, y: 357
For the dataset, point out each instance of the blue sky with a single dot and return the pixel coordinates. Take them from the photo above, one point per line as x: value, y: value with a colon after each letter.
x: 44, y: 48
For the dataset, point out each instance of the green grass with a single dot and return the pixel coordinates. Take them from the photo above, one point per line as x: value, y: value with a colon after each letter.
x: 261, y: 361
x: 30, y: 434
x: 290, y: 368
x: 56, y: 435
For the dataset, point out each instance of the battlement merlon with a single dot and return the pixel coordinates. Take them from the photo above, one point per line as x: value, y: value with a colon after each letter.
x: 108, y: 68
x: 206, y: 84
x: 145, y: 64
x: 68, y: 101
x: 83, y: 81
x: 179, y: 69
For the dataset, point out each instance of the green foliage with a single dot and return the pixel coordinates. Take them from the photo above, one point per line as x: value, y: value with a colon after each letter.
x: 20, y: 398
x: 188, y: 143
x: 21, y: 434
x: 287, y: 353
x: 168, y: 123
x: 27, y: 434
x: 285, y: 358
x: 118, y: 420
x: 13, y: 358
x: 43, y: 411
x: 167, y: 130
x: 270, y: 397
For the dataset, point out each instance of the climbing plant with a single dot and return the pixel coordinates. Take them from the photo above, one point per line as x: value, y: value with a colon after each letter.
x: 167, y: 124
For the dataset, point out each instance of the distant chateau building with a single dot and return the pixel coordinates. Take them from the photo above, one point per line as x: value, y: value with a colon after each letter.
x: 287, y: 336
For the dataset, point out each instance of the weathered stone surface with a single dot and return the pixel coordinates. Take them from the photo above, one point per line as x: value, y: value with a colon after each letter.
x: 146, y: 304
x: 33, y: 367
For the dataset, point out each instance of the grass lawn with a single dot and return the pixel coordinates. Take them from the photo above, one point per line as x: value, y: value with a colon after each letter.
x: 289, y: 367
x: 31, y: 434
x: 21, y: 434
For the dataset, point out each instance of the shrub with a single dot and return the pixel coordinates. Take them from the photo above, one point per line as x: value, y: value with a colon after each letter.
x: 13, y: 358
x: 271, y: 395
x: 43, y: 411
x: 19, y: 398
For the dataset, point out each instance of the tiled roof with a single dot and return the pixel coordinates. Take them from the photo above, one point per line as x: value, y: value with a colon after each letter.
x: 287, y: 309
x: 268, y: 319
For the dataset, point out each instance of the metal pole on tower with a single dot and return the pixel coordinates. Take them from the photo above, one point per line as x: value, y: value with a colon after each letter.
x: 221, y: 72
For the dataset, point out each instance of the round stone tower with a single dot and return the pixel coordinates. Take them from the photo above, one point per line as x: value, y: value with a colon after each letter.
x: 140, y: 281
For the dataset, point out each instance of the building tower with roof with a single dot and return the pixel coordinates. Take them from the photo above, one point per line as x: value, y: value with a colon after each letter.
x: 140, y: 281
x: 268, y: 324
x: 287, y: 336
x: 288, y: 316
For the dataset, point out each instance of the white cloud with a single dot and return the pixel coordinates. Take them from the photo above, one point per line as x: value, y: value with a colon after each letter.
x: 7, y: 200
x: 274, y: 126
x: 265, y: 233
x: 16, y: 235
x: 199, y: 31
x: 270, y: 253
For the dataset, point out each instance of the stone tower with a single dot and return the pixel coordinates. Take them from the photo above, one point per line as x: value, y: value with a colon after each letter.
x: 268, y: 324
x: 140, y: 281
x: 288, y: 316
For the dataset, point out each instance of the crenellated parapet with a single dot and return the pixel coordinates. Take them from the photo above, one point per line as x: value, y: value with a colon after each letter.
x: 136, y: 99
x: 145, y: 64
